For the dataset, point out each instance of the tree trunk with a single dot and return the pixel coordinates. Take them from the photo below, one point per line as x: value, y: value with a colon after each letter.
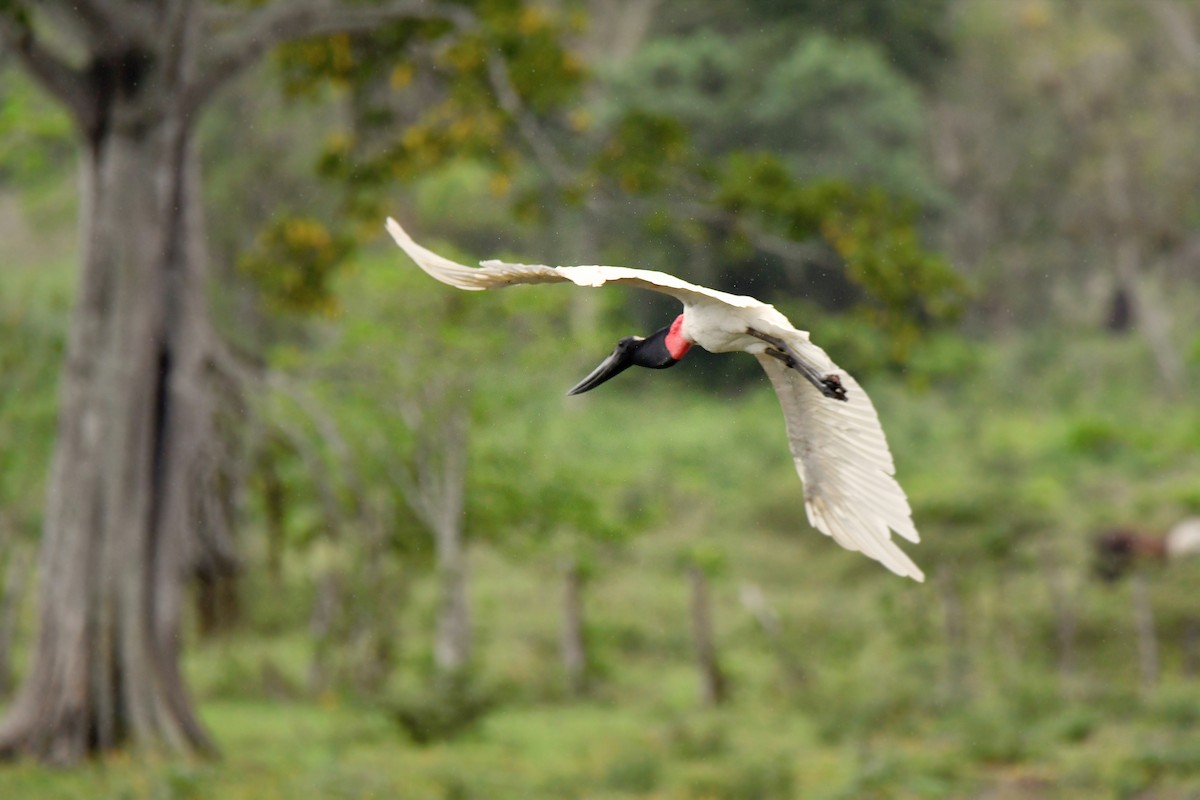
x: 134, y: 503
x: 574, y: 636
x: 435, y: 489
x: 445, y: 501
x: 128, y: 495
x: 713, y: 686
x: 452, y: 644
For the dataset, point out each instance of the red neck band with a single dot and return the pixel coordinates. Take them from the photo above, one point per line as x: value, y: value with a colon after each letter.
x: 677, y: 344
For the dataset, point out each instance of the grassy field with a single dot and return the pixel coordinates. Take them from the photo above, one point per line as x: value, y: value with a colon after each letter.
x: 863, y: 705
x: 1014, y: 453
x: 867, y: 717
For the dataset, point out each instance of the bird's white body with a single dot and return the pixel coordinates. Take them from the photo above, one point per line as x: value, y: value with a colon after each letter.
x: 722, y: 328
x: 838, y: 445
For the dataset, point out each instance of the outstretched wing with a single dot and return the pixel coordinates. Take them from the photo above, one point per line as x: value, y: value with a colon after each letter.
x: 839, y: 447
x: 498, y: 274
x: 843, y: 458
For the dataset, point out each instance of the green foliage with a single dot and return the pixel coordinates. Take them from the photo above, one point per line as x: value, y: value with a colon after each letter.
x: 914, y: 35
x: 906, y: 287
x: 836, y: 109
x: 814, y: 140
x: 643, y: 151
x: 416, y: 107
x: 293, y: 264
x: 872, y: 716
x: 443, y: 710
x: 33, y: 303
x: 1012, y: 451
x: 635, y: 771
x: 698, y: 80
x: 826, y: 108
x: 36, y: 135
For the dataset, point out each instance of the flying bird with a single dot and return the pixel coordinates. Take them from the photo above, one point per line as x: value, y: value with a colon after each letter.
x: 834, y: 435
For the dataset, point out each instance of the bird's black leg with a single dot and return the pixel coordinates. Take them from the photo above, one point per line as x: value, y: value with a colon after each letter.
x: 829, y: 385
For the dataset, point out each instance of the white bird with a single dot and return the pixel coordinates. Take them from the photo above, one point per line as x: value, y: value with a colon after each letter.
x: 833, y: 432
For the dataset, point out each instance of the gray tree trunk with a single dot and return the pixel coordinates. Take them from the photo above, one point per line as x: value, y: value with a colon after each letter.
x: 133, y: 505
x: 434, y: 486
x: 452, y: 645
x: 574, y: 634
x: 713, y: 685
x: 134, y: 421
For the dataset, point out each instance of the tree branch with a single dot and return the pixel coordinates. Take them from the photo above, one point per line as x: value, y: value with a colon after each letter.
x: 527, y: 126
x: 252, y: 35
x: 59, y: 78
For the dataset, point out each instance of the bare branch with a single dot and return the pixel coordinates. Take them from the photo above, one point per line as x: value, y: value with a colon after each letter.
x: 250, y: 36
x: 510, y: 101
x: 54, y: 74
x: 797, y: 253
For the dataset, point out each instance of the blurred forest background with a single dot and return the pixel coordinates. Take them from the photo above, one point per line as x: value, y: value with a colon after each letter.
x: 401, y: 564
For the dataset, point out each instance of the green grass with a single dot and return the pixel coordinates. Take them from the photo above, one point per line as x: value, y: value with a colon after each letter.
x: 749, y: 750
x: 1011, y: 467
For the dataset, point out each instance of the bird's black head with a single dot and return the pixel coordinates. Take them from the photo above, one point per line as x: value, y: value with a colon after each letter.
x: 651, y: 352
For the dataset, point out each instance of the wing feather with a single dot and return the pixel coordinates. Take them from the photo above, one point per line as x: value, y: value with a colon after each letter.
x: 498, y: 274
x: 843, y: 459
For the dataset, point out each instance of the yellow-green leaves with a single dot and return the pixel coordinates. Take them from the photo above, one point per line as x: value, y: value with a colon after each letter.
x: 905, y: 286
x: 293, y: 263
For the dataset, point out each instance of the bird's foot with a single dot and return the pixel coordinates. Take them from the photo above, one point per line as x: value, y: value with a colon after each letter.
x: 831, y: 386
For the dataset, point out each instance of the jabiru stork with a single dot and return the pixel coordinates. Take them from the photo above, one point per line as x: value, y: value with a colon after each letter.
x: 833, y: 431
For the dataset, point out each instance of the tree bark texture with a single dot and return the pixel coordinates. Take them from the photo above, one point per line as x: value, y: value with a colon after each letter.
x: 134, y: 502
x: 126, y: 507
x: 131, y: 510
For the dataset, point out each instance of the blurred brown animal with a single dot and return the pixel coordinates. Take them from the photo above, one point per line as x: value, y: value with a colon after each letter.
x: 1120, y: 549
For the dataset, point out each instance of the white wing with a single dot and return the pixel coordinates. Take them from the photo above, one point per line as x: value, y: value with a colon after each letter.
x: 839, y: 447
x: 498, y: 274
x: 844, y: 461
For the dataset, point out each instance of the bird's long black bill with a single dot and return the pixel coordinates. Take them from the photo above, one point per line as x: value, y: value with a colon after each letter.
x: 620, y: 360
